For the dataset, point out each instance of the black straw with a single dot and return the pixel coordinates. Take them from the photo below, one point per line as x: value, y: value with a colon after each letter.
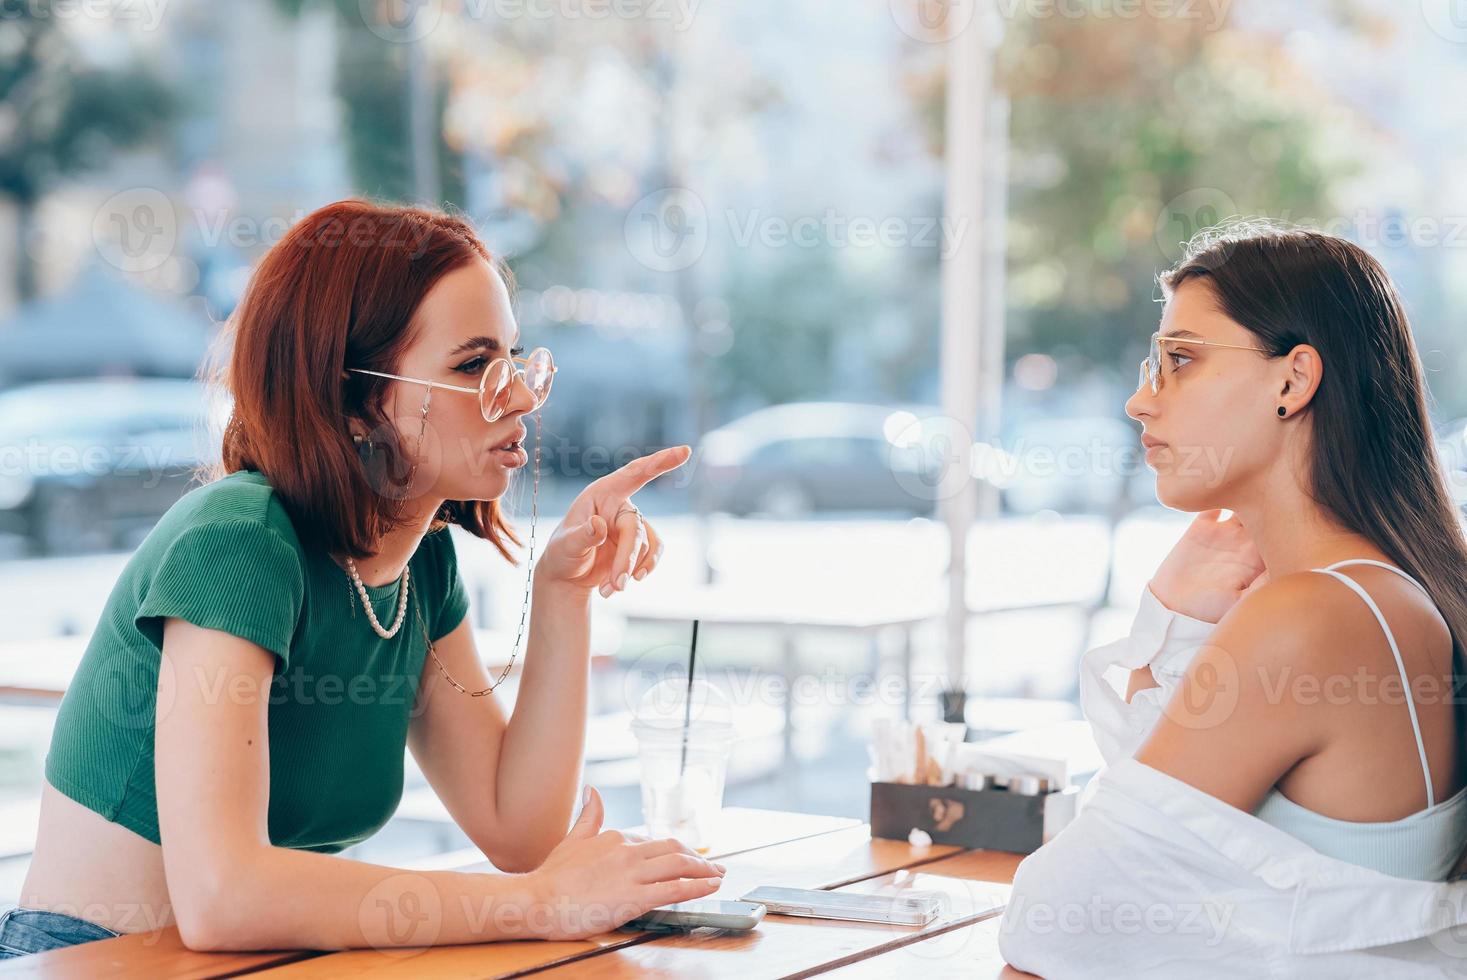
x: 688, y: 707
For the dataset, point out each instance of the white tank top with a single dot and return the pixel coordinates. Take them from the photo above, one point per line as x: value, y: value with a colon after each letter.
x: 1422, y: 846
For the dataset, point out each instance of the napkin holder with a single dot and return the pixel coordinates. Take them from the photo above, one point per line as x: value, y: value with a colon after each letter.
x: 995, y: 818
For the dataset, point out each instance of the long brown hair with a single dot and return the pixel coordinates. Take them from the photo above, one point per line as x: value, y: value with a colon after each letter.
x: 340, y: 290
x: 1375, y: 468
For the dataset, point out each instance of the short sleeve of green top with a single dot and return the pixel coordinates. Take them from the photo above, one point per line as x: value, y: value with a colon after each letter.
x: 226, y: 557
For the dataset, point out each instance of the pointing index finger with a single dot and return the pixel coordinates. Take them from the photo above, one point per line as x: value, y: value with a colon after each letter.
x: 640, y: 472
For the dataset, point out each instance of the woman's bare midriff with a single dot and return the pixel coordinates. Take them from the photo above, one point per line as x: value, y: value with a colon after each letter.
x: 90, y: 867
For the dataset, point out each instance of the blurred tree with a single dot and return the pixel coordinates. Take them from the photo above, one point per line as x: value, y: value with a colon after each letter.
x: 1125, y: 140
x: 376, y: 83
x: 61, y: 116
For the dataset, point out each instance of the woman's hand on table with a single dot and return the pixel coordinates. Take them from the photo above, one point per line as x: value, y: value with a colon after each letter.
x: 597, y: 880
x: 595, y: 546
x: 1213, y: 566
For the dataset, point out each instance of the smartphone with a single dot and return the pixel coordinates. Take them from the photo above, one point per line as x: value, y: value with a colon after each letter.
x: 733, y: 916
x: 916, y: 909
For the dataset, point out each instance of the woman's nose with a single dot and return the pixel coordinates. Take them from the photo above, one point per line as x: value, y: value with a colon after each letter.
x: 521, y: 398
x: 1142, y: 404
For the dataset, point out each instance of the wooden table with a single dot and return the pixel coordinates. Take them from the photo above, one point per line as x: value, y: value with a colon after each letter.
x: 758, y: 846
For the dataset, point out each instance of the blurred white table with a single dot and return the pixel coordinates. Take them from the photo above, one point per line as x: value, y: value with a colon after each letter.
x: 789, y: 612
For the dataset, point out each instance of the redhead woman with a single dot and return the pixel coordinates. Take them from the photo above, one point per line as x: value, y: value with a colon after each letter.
x: 1286, y: 787
x: 286, y: 630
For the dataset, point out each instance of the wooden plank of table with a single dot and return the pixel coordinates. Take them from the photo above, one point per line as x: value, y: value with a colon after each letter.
x: 975, y: 885
x: 834, y: 858
x: 142, y: 956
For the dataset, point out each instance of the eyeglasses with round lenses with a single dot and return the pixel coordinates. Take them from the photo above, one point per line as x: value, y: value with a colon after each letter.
x: 496, y: 384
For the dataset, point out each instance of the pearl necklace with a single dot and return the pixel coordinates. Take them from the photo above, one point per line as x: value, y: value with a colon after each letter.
x: 402, y: 597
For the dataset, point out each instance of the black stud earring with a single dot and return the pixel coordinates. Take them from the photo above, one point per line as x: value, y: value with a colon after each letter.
x: 1283, y: 411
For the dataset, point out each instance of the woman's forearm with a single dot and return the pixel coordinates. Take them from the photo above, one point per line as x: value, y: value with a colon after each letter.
x: 289, y: 899
x: 540, y: 758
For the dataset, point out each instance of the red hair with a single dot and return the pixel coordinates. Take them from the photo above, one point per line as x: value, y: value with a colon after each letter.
x: 340, y: 290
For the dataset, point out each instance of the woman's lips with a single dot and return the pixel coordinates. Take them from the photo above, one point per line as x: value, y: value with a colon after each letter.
x: 510, y: 458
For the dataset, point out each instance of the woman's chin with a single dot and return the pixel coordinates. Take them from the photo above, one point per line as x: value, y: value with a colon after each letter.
x: 489, y: 485
x: 1184, y: 495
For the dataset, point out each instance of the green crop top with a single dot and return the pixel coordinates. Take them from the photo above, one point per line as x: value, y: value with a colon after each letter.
x: 226, y: 557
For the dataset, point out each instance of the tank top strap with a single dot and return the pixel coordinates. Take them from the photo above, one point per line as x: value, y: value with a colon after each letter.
x: 1359, y: 590
x: 1378, y: 564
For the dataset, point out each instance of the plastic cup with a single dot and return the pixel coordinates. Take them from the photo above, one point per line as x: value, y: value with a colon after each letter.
x: 682, y: 788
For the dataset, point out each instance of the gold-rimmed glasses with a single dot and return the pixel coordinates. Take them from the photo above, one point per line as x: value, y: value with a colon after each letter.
x: 1151, y: 365
x: 497, y: 382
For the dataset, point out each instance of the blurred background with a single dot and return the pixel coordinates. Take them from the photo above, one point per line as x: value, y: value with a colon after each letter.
x: 888, y: 266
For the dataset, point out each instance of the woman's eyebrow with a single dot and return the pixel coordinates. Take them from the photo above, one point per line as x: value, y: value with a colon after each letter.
x: 1183, y: 334
x: 475, y: 343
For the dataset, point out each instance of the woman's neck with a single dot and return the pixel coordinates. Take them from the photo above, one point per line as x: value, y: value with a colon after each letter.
x: 1293, y: 533
x: 384, y: 566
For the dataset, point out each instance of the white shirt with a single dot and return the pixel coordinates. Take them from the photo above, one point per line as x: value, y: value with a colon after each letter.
x: 1157, y: 878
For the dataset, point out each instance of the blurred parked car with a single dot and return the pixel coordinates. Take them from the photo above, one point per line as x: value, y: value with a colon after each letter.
x: 794, y: 459
x: 1451, y: 443
x: 85, y: 462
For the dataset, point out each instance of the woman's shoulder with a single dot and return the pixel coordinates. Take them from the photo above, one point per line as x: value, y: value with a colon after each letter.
x: 237, y: 518
x: 1307, y: 617
x: 243, y: 500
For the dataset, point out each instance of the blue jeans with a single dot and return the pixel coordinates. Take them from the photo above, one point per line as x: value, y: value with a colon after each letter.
x: 24, y: 930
